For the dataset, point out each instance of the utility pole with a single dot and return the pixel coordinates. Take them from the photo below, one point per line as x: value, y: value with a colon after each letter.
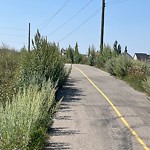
x: 102, y: 26
x: 29, y: 39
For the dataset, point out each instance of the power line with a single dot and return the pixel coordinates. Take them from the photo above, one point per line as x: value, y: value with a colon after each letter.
x: 10, y: 28
x: 13, y: 42
x: 84, y: 22
x: 115, y: 2
x: 72, y: 17
x: 13, y: 35
x: 46, y: 22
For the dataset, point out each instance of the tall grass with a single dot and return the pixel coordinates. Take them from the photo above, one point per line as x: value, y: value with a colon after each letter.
x: 136, y: 73
x: 9, y: 60
x: 23, y: 123
x: 26, y: 113
x: 146, y: 82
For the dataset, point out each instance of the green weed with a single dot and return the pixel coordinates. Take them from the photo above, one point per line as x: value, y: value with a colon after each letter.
x: 23, y: 123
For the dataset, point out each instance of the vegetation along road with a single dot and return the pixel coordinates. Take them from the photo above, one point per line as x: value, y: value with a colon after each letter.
x: 100, y: 112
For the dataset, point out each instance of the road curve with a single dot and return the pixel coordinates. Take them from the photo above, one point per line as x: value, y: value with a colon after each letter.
x: 100, y: 112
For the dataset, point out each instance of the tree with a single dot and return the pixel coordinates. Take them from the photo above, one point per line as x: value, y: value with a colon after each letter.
x: 76, y: 54
x: 116, y: 49
x: 104, y: 56
x: 70, y: 54
x: 92, y: 56
x: 89, y: 51
x: 119, y: 49
x: 126, y: 49
x: 115, y: 46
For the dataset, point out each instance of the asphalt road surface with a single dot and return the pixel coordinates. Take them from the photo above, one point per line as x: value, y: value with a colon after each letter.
x: 100, y: 112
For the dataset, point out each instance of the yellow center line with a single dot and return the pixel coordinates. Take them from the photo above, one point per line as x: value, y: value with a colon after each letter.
x: 117, y: 111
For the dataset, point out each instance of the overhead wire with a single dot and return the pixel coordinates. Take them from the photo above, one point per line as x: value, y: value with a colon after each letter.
x: 114, y: 2
x: 14, y: 35
x: 46, y: 22
x: 13, y: 42
x: 10, y: 28
x: 79, y: 26
x: 72, y: 17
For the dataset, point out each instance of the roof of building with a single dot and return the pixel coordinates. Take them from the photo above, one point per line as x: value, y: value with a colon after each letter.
x: 142, y: 56
x: 127, y: 55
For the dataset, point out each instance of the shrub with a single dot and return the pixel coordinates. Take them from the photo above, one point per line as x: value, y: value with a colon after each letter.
x: 146, y: 85
x: 44, y: 61
x: 23, y: 123
x: 119, y: 66
x: 111, y: 65
x: 122, y: 66
x: 9, y: 60
x: 92, y: 56
x: 84, y: 59
x: 25, y: 115
x: 104, y: 56
x: 137, y: 74
x: 139, y: 69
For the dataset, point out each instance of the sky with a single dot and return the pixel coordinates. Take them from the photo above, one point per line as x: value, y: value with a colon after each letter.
x: 69, y: 21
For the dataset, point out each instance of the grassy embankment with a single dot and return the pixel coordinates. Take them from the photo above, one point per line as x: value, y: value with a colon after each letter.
x: 28, y: 82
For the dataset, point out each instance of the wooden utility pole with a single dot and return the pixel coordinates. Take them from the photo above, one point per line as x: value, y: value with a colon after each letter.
x: 102, y: 26
x: 29, y: 39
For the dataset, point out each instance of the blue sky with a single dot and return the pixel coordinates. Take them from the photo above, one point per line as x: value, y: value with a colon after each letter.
x: 127, y: 21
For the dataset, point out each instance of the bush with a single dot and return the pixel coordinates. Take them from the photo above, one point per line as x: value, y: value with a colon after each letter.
x: 104, y: 56
x: 119, y: 66
x: 137, y: 75
x: 84, y: 59
x: 122, y: 66
x: 9, y: 60
x: 44, y: 62
x: 139, y: 70
x: 146, y: 85
x: 111, y: 65
x: 25, y: 116
x: 92, y: 57
x: 23, y: 123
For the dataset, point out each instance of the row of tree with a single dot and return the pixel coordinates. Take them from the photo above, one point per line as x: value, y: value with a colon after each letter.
x: 115, y: 61
x: 72, y: 55
x: 93, y: 57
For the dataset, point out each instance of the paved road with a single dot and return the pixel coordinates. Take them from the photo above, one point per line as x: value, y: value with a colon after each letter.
x: 117, y: 120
